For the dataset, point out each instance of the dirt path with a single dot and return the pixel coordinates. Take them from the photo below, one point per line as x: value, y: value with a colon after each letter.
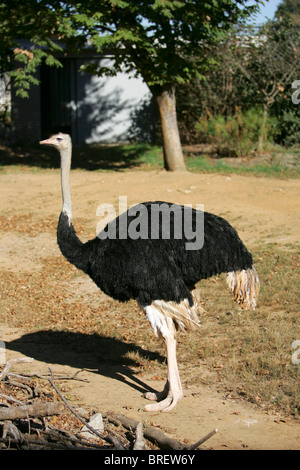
x: 262, y: 209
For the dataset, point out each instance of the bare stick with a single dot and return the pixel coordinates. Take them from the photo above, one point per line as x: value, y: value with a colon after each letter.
x: 40, y: 375
x: 24, y: 386
x: 152, y: 434
x: 10, y: 363
x: 26, y: 443
x: 11, y: 430
x: 205, y: 438
x: 67, y: 437
x: 108, y: 438
x: 12, y: 399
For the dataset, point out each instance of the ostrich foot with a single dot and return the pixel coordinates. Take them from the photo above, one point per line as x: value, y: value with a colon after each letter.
x: 158, y: 396
x: 166, y: 400
x: 165, y: 405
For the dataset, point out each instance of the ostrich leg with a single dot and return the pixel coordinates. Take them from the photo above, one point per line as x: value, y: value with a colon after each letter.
x: 172, y: 392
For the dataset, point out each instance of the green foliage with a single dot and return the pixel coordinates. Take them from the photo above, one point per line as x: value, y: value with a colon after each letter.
x: 289, y: 11
x: 235, y: 135
x: 158, y: 39
x: 29, y: 33
x: 254, y: 68
x: 288, y: 129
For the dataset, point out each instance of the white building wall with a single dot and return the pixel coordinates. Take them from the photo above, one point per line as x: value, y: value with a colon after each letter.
x: 105, y: 104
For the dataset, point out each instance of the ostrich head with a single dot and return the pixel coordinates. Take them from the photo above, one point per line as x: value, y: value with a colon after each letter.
x: 59, y: 141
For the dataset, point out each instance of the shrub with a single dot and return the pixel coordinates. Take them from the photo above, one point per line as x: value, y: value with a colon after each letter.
x: 235, y: 135
x: 288, y: 131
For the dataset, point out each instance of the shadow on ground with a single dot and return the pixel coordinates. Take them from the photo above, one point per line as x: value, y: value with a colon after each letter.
x: 86, y: 157
x: 109, y: 357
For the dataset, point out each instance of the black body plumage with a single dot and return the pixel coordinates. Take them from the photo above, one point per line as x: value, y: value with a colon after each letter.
x: 148, y: 269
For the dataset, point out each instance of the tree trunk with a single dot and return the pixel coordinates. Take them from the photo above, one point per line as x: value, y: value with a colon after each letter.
x: 261, y: 139
x: 173, y: 156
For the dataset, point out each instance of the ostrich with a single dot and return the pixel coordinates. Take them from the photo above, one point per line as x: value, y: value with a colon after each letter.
x: 159, y: 273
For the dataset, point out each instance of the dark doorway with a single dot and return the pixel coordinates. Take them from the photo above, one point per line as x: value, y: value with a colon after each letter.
x: 57, y: 85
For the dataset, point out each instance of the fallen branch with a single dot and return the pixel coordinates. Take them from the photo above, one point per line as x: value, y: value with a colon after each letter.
x: 112, y: 440
x: 12, y: 399
x: 205, y: 438
x: 40, y: 375
x: 21, y: 385
x: 34, y: 443
x: 38, y: 435
x: 70, y: 438
x: 152, y: 434
x: 10, y: 363
x: 11, y: 430
x: 35, y: 410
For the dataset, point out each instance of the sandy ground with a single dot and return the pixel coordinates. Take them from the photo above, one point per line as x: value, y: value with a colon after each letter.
x: 261, y: 209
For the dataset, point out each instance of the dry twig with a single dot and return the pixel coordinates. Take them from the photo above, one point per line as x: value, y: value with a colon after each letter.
x: 152, y: 434
x: 205, y: 438
x: 10, y: 363
x: 112, y: 440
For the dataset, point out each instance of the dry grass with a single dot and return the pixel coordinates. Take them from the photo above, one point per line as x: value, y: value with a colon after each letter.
x: 245, y: 354
x: 251, y: 351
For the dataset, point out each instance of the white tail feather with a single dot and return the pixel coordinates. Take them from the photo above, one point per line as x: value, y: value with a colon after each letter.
x: 245, y: 287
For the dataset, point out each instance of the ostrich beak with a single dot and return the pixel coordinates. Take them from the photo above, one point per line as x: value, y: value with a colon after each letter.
x: 46, y: 142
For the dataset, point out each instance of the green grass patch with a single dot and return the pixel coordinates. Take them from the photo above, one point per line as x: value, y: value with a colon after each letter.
x: 277, y: 163
x: 209, y: 165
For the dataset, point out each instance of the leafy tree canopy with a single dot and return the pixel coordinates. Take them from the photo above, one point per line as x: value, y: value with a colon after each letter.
x: 163, y: 40
x: 289, y: 10
x: 158, y: 38
x: 39, y: 25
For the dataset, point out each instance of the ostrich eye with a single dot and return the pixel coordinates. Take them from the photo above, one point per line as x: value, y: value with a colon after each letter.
x: 59, y: 139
